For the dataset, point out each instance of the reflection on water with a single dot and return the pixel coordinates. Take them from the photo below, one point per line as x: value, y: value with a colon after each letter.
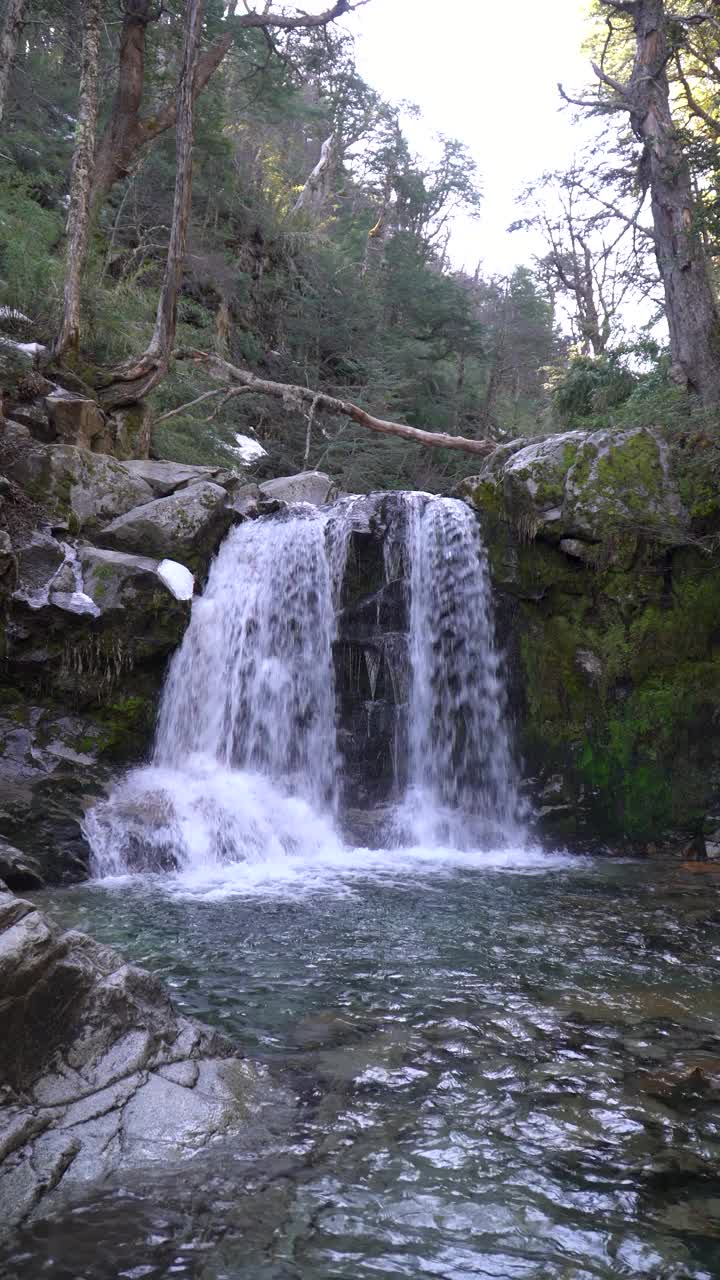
x: 510, y: 1075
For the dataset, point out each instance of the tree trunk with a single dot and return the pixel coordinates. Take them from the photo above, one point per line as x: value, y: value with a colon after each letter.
x: 127, y: 132
x: 78, y: 224
x: 9, y: 36
x: 692, y: 313
x: 316, y: 190
x: 137, y: 378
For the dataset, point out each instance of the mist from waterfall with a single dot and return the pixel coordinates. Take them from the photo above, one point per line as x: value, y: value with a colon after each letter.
x: 245, y: 768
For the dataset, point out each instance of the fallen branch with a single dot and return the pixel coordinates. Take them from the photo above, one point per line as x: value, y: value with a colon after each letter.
x: 296, y: 397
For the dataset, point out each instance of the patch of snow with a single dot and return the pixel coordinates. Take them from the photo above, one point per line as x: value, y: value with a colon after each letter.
x: 74, y: 602
x: 177, y: 579
x: 247, y: 448
x: 27, y: 348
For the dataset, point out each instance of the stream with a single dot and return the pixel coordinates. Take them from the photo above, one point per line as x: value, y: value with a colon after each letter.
x: 491, y: 1063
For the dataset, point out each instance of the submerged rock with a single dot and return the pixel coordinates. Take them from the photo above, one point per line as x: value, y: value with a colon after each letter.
x: 99, y: 1071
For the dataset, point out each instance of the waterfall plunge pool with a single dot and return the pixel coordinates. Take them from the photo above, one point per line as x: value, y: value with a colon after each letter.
x: 498, y: 1063
x: 492, y: 1058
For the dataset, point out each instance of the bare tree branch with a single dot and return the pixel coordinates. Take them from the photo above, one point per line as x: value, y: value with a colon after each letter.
x: 296, y: 397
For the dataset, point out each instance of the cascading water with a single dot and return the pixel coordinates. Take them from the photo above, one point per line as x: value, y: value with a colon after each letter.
x: 245, y: 766
x: 463, y: 786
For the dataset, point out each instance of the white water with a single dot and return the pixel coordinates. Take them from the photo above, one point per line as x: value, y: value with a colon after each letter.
x: 463, y: 784
x: 243, y: 781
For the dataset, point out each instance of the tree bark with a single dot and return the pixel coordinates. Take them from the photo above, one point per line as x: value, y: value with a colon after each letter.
x: 135, y: 379
x: 315, y: 192
x: 692, y: 312
x: 78, y: 224
x: 9, y: 37
x: 127, y: 132
x: 297, y: 397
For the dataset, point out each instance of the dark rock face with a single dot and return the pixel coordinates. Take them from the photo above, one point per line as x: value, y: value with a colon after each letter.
x: 604, y: 558
x: 99, y: 1072
x: 371, y: 665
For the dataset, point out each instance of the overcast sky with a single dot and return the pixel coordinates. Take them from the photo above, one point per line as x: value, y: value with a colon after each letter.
x: 484, y: 71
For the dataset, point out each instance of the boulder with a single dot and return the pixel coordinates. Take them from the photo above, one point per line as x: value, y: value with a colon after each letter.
x: 78, y: 489
x: 584, y: 485
x: 308, y: 486
x: 39, y: 561
x: 116, y: 580
x: 78, y: 420
x: 186, y: 526
x: 19, y: 870
x: 166, y: 477
x: 100, y: 1072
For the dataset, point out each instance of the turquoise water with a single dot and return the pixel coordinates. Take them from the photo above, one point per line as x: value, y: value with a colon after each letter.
x: 491, y: 1066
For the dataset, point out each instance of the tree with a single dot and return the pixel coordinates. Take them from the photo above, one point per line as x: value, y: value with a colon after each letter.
x: 664, y: 170
x: 591, y: 260
x: 128, y: 131
x: 12, y: 25
x: 81, y: 181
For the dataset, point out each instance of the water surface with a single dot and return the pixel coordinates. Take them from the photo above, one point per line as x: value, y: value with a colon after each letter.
x: 492, y: 1059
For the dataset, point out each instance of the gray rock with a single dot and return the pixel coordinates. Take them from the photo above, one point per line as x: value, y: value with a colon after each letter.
x: 308, y: 486
x: 186, y: 526
x: 38, y: 561
x: 245, y: 499
x: 77, y: 488
x: 18, y: 870
x: 166, y: 477
x: 116, y: 580
x: 100, y: 1072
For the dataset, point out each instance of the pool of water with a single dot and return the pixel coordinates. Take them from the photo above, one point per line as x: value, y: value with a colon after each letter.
x: 503, y: 1068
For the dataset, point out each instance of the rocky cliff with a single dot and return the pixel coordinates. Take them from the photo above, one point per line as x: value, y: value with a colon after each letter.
x: 605, y: 553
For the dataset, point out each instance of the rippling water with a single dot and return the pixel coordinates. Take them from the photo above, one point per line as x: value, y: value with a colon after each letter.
x: 493, y: 1066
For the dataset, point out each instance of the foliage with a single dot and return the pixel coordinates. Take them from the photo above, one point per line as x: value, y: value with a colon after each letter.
x: 311, y: 296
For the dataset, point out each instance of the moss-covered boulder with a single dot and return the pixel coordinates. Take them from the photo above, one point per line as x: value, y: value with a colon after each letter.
x: 79, y: 490
x: 609, y: 587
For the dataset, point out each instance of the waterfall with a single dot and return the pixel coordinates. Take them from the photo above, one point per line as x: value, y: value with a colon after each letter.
x: 246, y: 765
x: 463, y: 786
x: 251, y: 685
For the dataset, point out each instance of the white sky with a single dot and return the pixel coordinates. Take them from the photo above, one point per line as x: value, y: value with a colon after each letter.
x: 484, y: 71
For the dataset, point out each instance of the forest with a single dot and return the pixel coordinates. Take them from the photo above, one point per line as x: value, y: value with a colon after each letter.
x: 191, y: 189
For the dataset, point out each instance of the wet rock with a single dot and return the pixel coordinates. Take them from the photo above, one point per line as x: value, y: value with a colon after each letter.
x: 186, y: 526
x: 100, y: 1073
x: 38, y: 563
x: 18, y: 870
x: 245, y: 500
x: 308, y: 486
